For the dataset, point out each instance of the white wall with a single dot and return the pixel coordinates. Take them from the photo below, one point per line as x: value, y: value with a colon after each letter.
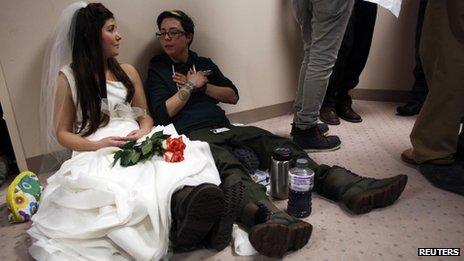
x: 256, y: 43
x: 391, y: 58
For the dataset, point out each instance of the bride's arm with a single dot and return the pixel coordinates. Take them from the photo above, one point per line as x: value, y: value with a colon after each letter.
x: 139, y: 100
x: 65, y: 113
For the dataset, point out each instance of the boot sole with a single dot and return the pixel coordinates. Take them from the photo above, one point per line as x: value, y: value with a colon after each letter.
x: 203, y: 209
x: 329, y: 122
x: 350, y: 120
x: 221, y: 233
x: 377, y: 198
x: 324, y: 150
x: 274, y: 240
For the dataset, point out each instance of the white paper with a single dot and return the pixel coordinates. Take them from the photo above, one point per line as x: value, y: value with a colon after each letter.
x: 393, y: 5
x: 242, y: 245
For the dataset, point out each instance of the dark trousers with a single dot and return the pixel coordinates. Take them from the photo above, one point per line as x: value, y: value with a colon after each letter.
x: 263, y: 143
x: 419, y: 88
x: 353, y: 54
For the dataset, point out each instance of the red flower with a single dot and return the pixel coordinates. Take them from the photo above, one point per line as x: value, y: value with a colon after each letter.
x: 175, y: 144
x: 175, y: 156
x: 174, y: 149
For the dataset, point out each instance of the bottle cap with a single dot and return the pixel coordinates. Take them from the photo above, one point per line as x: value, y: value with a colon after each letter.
x: 301, y: 163
x: 282, y: 154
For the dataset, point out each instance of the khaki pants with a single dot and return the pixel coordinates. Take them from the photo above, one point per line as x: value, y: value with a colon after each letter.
x: 435, y: 133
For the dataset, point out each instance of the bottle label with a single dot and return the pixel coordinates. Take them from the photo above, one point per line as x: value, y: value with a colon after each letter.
x: 300, y: 183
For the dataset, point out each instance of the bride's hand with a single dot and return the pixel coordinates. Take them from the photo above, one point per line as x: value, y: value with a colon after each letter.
x: 112, y: 141
x: 136, y: 134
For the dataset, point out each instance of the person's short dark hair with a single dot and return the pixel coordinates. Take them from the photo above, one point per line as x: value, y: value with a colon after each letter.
x: 185, y: 21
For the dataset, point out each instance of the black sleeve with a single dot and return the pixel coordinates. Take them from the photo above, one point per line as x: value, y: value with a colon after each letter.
x: 157, y: 93
x: 217, y: 78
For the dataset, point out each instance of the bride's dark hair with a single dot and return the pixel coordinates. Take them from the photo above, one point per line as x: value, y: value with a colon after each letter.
x: 88, y: 67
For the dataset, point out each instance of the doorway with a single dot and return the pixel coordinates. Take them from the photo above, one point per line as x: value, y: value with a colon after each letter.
x: 8, y: 164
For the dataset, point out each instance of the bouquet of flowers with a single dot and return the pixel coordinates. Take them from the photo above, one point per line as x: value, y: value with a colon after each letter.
x: 159, y: 144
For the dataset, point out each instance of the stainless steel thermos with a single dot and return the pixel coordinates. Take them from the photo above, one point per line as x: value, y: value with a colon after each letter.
x: 278, y: 172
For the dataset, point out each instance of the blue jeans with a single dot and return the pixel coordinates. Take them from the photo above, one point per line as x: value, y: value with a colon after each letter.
x: 323, y: 24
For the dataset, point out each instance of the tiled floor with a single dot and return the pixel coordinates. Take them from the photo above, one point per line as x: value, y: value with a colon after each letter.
x: 423, y: 217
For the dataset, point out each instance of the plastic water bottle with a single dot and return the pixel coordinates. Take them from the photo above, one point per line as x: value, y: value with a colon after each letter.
x: 301, y: 182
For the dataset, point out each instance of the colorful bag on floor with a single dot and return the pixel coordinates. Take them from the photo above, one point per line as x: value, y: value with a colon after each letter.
x: 23, y: 197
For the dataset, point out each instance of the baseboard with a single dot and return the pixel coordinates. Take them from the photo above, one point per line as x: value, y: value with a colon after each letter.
x: 262, y: 113
x: 381, y: 95
x: 272, y: 111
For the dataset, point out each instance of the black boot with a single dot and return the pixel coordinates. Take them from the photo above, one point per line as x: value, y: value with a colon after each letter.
x: 460, y: 150
x: 272, y: 231
x: 328, y: 115
x: 322, y: 127
x: 312, y: 140
x: 221, y: 233
x: 409, y: 109
x: 359, y: 194
x: 346, y: 112
x: 194, y: 211
x: 447, y: 177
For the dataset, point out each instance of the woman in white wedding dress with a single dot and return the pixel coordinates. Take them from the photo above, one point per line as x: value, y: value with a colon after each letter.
x: 91, y: 210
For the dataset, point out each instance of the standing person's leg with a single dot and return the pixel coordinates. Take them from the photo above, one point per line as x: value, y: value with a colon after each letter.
x: 444, y: 32
x: 364, y: 14
x: 419, y: 88
x: 323, y: 25
x: 302, y: 12
x: 328, y: 112
x: 435, y: 133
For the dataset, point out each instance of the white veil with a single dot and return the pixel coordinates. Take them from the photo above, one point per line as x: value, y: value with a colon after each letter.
x: 57, y: 55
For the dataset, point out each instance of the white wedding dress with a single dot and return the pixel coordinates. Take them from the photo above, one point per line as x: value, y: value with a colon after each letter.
x: 93, y: 211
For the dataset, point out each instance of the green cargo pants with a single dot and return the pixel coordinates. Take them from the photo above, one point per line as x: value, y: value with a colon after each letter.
x: 259, y: 140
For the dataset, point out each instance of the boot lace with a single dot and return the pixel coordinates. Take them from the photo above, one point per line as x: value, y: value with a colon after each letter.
x: 264, y: 213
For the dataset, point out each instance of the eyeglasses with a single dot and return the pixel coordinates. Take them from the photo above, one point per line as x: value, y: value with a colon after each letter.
x: 171, y: 34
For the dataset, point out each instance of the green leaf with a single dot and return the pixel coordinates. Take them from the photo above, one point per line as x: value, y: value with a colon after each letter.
x: 157, y: 135
x: 147, y: 147
x: 134, y: 156
x: 132, y: 153
x: 117, y: 156
x: 125, y: 158
x: 128, y: 145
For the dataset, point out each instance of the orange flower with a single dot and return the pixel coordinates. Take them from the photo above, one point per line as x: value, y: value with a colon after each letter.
x: 175, y: 144
x: 175, y: 156
x: 20, y: 200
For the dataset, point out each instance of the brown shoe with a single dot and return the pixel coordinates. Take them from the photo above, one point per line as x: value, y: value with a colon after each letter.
x: 274, y: 239
x: 194, y: 211
x: 328, y: 115
x: 221, y: 233
x: 348, y: 114
x: 279, y: 233
x: 408, y: 157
